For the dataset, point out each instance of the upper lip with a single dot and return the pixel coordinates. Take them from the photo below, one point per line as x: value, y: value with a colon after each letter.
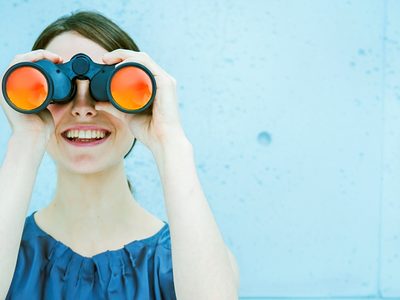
x: 85, y: 127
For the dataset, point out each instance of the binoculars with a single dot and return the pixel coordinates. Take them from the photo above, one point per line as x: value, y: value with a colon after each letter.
x: 28, y: 87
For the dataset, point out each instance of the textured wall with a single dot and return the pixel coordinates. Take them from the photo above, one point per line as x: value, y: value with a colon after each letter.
x: 293, y: 111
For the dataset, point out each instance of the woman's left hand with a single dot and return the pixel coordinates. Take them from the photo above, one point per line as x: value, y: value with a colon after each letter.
x: 163, y: 122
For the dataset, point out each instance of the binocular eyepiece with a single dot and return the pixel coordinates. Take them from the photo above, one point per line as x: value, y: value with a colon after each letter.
x: 28, y: 87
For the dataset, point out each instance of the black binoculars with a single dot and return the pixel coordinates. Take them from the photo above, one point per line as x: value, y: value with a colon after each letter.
x: 28, y: 87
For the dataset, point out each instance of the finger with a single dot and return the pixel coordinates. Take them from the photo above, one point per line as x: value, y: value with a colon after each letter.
x: 38, y: 55
x: 165, y: 82
x: 123, y: 55
x: 117, y: 55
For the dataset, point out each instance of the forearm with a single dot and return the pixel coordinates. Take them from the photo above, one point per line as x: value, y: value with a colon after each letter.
x: 201, y: 265
x: 17, y: 178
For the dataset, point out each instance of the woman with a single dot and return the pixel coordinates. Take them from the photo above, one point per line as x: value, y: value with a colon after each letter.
x: 94, y: 240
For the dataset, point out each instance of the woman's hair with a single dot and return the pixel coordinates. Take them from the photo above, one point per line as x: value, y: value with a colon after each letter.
x: 93, y: 26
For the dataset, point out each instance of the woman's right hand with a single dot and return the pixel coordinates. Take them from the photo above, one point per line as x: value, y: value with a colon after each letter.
x: 38, y: 124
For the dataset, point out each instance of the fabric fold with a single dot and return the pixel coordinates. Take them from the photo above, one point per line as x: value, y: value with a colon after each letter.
x: 48, y: 269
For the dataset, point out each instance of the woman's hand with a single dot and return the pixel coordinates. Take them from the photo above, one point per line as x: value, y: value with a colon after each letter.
x: 162, y: 123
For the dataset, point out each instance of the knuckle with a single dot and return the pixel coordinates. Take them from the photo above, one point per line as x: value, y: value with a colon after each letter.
x: 17, y: 58
x: 39, y: 53
x: 167, y: 81
x: 170, y: 82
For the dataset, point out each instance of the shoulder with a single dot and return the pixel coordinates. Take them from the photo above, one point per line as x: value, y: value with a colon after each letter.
x: 30, y: 230
x: 34, y: 248
x: 33, y: 241
x: 164, y: 239
x: 158, y: 231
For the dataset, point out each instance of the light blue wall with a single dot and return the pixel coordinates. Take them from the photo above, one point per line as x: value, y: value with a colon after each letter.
x: 293, y: 111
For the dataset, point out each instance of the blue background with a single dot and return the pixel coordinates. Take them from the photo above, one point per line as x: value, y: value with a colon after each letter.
x: 293, y: 111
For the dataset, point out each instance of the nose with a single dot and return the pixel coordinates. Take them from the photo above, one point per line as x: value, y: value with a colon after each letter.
x: 83, y: 105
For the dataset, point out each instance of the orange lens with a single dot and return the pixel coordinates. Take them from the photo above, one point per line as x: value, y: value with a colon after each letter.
x: 27, y: 88
x: 131, y: 88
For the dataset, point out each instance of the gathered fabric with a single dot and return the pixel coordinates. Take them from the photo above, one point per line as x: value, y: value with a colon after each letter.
x: 47, y: 269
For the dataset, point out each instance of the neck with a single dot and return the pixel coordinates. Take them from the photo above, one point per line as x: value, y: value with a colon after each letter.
x: 102, y: 195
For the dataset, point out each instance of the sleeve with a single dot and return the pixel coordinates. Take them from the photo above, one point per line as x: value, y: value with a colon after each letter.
x: 164, y: 278
x: 26, y: 281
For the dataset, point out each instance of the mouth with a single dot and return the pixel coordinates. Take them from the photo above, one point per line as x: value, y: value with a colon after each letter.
x: 81, y: 141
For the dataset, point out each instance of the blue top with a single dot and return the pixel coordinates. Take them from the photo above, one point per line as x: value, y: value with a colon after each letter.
x: 47, y: 269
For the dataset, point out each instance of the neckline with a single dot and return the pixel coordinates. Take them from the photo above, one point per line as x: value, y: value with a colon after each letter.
x: 141, y: 241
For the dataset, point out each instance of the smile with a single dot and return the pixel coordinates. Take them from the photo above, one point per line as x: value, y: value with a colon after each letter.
x: 84, y: 140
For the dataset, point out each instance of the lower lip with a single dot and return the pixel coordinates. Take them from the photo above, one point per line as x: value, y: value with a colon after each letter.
x: 86, y: 144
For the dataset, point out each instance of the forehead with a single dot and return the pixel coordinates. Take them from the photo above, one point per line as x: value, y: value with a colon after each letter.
x: 69, y: 43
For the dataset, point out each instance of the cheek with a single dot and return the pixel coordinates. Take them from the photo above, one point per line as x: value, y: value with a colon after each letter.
x: 56, y: 111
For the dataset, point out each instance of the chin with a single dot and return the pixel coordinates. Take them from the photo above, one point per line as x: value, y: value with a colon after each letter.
x: 85, y: 164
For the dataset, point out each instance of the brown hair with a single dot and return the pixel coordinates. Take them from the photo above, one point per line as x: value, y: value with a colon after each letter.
x: 91, y: 25
x: 94, y: 26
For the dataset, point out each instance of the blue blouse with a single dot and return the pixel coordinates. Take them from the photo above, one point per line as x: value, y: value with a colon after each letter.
x: 47, y: 269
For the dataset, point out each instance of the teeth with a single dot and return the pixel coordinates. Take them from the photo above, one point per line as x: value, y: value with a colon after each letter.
x: 86, y: 134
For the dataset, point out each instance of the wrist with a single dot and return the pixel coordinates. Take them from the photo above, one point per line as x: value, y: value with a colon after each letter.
x: 173, y: 144
x: 24, y: 141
